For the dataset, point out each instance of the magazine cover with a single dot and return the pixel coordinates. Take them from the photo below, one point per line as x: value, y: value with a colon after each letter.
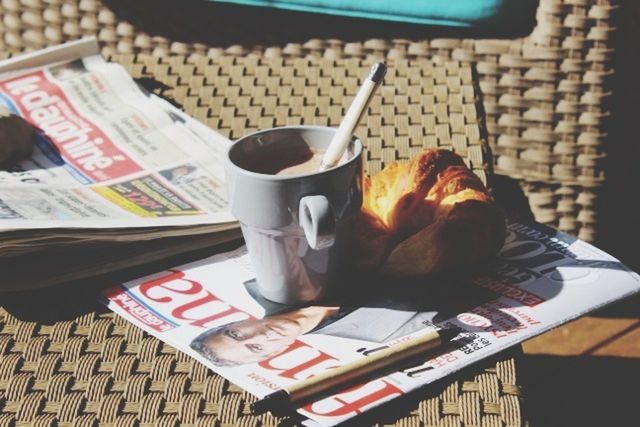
x: 212, y: 310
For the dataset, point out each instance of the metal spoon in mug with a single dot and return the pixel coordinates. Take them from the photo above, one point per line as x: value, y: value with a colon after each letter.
x: 356, y: 111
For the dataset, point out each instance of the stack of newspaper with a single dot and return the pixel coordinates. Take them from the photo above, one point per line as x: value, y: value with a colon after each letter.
x: 118, y: 176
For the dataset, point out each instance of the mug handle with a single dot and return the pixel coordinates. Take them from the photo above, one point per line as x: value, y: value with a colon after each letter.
x: 318, y: 222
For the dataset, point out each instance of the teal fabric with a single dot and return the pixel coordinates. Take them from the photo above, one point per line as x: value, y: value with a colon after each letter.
x: 458, y: 13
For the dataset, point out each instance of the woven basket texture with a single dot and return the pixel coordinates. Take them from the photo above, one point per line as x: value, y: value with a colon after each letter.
x: 85, y: 366
x: 420, y: 105
x: 546, y: 94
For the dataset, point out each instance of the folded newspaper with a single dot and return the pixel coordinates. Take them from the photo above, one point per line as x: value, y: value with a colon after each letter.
x: 212, y: 311
x: 118, y: 176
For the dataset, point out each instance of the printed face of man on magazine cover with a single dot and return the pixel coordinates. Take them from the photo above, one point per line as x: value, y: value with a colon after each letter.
x: 253, y: 340
x: 379, y: 320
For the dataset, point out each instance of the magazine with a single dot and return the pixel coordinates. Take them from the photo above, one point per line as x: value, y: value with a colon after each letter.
x: 212, y: 310
x: 112, y: 164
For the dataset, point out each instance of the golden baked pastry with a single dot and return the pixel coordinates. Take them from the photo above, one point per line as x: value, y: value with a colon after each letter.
x: 430, y: 215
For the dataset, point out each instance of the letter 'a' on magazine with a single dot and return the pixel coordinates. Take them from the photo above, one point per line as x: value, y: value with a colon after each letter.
x: 112, y: 165
x: 211, y: 310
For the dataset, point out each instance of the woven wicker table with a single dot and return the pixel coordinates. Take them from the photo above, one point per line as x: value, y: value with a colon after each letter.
x: 547, y: 91
x: 65, y: 360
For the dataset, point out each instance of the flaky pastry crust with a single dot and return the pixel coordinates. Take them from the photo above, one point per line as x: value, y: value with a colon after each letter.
x: 427, y: 216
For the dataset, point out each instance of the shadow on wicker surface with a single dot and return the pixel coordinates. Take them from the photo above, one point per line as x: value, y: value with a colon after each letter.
x: 628, y: 308
x: 68, y: 301
x: 508, y: 193
x: 620, y: 225
x: 580, y: 390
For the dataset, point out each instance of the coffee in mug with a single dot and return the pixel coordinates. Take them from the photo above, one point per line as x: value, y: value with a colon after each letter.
x: 290, y: 158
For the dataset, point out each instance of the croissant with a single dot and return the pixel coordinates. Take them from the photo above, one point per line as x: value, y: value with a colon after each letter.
x: 427, y: 216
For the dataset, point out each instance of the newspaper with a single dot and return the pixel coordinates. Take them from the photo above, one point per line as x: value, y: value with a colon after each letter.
x: 111, y: 162
x: 212, y: 311
x: 109, y: 154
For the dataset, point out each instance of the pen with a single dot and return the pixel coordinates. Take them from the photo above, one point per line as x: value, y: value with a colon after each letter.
x: 305, y: 390
x: 356, y: 110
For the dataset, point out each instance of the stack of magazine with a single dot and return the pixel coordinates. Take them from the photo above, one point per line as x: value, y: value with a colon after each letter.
x: 118, y: 177
x: 212, y: 311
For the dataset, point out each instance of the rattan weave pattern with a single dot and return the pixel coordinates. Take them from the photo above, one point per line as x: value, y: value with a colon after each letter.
x: 420, y: 105
x: 546, y: 95
x: 96, y: 368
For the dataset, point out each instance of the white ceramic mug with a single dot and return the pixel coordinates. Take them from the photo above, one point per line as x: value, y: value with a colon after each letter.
x: 296, y: 227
